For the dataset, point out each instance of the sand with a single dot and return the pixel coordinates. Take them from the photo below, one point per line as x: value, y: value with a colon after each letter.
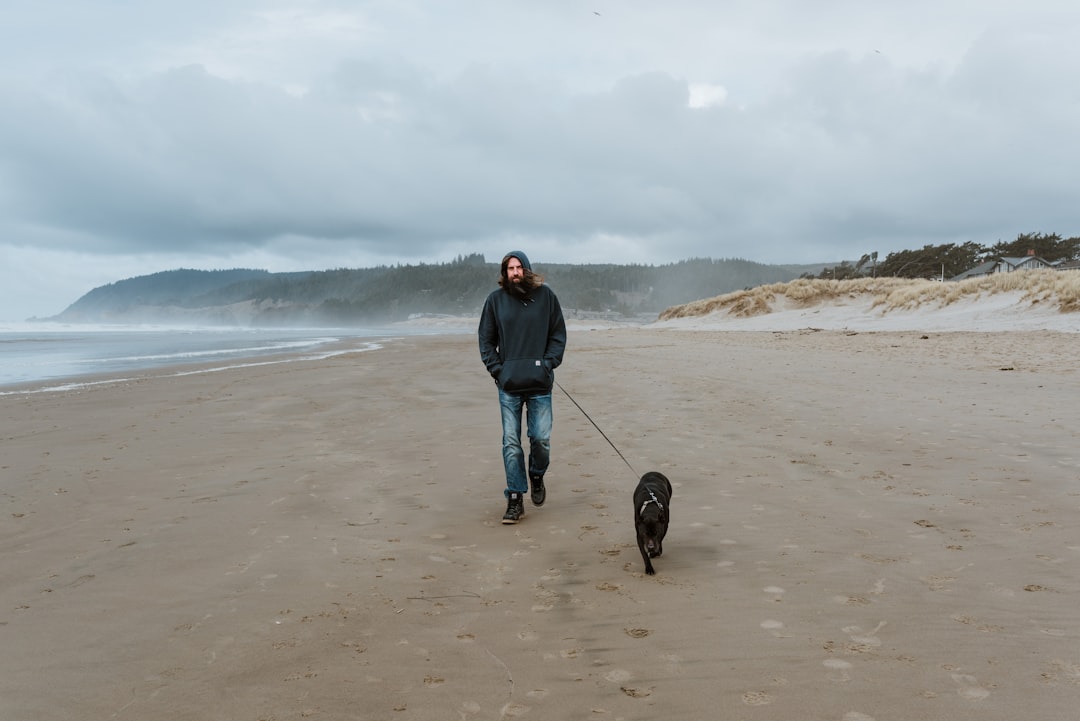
x: 866, y: 526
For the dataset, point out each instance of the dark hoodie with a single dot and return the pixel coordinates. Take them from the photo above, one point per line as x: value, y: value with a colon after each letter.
x: 522, y: 339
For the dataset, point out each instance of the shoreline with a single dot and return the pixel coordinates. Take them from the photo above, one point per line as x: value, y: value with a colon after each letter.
x: 864, y: 526
x: 862, y: 312
x: 181, y: 369
x: 463, y: 326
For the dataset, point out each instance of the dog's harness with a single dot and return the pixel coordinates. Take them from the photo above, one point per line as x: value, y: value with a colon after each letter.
x: 652, y: 499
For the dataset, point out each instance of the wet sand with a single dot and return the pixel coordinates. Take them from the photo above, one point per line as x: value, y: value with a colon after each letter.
x: 866, y: 526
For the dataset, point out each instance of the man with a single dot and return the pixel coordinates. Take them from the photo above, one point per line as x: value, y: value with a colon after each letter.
x: 522, y: 337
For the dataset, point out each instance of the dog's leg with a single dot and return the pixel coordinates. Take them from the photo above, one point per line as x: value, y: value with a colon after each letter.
x: 645, y: 555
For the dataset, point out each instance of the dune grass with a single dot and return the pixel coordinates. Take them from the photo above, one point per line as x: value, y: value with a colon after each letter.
x: 1036, y: 286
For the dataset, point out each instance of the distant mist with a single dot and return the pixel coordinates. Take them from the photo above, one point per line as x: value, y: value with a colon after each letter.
x: 354, y: 297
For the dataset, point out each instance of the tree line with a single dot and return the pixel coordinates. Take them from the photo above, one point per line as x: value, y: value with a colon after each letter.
x: 951, y: 259
x: 349, y: 296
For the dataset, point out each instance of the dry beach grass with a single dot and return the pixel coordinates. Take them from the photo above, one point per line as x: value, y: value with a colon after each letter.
x: 1058, y: 289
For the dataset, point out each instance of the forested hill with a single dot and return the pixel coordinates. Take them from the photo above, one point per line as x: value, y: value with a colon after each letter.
x: 365, y: 296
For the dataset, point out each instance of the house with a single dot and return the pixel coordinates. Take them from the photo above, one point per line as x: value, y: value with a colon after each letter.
x: 1004, y: 265
x: 988, y: 268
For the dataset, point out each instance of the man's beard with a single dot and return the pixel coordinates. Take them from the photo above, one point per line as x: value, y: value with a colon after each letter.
x: 519, y: 289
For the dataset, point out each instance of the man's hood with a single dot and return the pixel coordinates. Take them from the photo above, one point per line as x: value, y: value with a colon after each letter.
x: 520, y: 256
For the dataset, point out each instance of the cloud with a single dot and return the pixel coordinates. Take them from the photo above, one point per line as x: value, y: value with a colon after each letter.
x: 706, y: 95
x: 321, y: 135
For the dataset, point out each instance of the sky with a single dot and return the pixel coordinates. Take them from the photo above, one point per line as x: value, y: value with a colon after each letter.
x: 137, y: 137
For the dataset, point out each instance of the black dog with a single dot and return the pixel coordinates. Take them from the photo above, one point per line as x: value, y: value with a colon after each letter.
x: 652, y: 499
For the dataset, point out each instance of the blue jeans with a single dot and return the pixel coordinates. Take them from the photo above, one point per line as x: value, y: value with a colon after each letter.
x: 538, y: 425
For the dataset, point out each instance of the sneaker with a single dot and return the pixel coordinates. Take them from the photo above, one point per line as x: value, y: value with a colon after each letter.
x: 539, y: 493
x: 515, y: 509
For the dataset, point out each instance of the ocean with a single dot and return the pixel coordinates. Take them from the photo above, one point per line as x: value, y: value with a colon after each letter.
x: 45, y: 356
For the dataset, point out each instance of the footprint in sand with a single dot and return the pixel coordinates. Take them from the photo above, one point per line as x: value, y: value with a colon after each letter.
x: 512, y: 710
x: 637, y: 692
x: 864, y: 638
x: 756, y: 698
x: 938, y: 582
x: 839, y: 668
x: 969, y: 687
x: 81, y: 580
x: 617, y: 675
x: 545, y: 599
x: 1059, y: 671
x: 775, y: 628
x: 775, y: 591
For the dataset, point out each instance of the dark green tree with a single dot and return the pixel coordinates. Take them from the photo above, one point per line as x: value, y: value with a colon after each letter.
x: 932, y: 261
x: 1050, y: 247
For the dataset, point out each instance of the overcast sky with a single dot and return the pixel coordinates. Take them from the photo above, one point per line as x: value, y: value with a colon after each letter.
x: 144, y: 136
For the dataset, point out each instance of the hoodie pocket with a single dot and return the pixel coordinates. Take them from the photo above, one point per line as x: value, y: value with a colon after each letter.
x: 525, y: 374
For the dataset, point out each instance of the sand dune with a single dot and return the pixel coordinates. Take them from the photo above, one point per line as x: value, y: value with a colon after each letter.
x: 861, y: 312
x: 1033, y: 300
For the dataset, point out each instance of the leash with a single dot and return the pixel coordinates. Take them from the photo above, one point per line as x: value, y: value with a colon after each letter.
x: 598, y: 429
